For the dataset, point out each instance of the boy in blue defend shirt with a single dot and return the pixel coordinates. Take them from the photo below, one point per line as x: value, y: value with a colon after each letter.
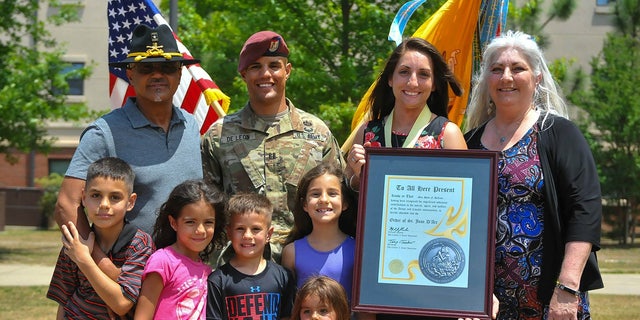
x: 250, y: 286
x: 82, y: 290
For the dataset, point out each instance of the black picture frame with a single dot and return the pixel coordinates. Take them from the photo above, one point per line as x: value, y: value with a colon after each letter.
x: 416, y: 252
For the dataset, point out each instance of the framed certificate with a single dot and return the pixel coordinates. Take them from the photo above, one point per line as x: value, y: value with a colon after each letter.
x: 426, y: 233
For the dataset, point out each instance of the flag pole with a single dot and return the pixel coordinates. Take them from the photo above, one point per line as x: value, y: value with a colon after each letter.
x: 173, y: 15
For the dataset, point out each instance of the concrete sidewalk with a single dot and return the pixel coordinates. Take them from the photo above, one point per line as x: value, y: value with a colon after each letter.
x: 626, y: 284
x: 25, y: 275
x: 33, y: 275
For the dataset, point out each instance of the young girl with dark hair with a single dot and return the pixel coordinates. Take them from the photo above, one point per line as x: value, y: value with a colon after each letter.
x: 321, y: 297
x: 188, y: 228
x: 321, y: 241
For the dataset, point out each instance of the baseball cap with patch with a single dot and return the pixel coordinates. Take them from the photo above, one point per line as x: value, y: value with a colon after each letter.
x: 260, y: 44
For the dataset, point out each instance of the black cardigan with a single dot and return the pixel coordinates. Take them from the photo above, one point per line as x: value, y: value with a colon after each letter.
x: 573, y: 207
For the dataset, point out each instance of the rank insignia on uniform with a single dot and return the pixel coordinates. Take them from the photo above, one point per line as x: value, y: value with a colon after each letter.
x: 275, y: 43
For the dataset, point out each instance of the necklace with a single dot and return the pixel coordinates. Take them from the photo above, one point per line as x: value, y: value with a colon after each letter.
x: 502, y: 139
x: 398, y: 139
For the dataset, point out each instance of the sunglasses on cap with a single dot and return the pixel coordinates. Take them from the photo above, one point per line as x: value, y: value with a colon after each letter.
x: 162, y: 67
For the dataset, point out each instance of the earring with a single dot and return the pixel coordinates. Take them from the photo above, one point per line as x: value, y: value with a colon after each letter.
x: 491, y: 107
x: 537, y: 93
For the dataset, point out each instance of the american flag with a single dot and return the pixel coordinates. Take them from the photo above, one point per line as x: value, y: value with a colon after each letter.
x: 197, y: 93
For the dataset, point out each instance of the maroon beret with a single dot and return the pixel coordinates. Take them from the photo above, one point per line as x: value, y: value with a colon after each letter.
x: 260, y: 44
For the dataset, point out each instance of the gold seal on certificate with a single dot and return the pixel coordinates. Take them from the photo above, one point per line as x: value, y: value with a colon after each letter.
x: 396, y: 266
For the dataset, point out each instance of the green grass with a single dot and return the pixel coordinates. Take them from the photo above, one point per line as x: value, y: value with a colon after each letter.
x: 42, y: 247
x: 619, y: 259
x: 27, y: 246
x: 614, y: 307
x: 27, y: 303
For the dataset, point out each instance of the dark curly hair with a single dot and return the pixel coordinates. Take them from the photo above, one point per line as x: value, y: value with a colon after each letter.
x: 188, y: 192
x: 302, y: 225
x: 382, y: 99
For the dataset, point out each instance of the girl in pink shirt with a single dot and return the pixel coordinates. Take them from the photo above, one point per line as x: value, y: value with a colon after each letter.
x: 188, y: 227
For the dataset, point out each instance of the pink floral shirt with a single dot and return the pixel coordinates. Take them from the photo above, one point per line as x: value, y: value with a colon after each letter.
x: 431, y: 137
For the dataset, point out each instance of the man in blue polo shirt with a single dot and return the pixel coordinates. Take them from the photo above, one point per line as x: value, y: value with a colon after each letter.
x: 160, y: 141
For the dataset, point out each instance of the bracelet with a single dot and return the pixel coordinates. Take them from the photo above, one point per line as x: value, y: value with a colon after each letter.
x: 351, y: 184
x: 567, y: 289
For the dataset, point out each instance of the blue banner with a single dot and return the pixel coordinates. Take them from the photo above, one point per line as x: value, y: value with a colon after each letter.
x: 401, y: 19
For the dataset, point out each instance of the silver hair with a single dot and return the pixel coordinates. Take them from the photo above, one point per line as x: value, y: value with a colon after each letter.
x: 547, y: 96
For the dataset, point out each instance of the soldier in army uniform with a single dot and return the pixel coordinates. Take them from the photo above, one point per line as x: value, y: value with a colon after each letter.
x: 268, y: 145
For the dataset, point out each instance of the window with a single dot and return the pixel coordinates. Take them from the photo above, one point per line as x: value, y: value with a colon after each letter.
x: 604, y: 2
x: 76, y: 83
x: 605, y: 7
x: 59, y: 166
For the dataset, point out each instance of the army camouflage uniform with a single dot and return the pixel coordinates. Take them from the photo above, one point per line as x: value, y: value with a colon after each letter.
x: 244, y: 153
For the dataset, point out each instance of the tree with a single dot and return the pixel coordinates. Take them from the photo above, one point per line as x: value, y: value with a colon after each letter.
x: 627, y: 17
x: 33, y: 84
x: 613, y: 108
x: 337, y: 47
